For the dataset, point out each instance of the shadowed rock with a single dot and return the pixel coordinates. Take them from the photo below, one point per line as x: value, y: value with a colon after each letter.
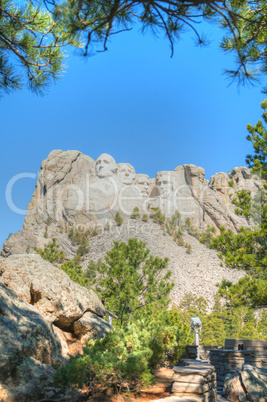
x: 29, y: 350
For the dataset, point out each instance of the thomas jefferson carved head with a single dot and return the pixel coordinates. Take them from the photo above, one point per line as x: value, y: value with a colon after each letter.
x: 164, y: 183
x: 142, y: 181
x: 105, y: 166
x: 126, y: 173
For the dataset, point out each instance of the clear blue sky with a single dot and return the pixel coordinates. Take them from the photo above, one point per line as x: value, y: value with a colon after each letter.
x: 135, y: 103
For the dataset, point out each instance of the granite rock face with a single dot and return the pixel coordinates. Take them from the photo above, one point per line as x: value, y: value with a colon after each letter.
x: 49, y: 289
x: 73, y: 189
x: 89, y: 326
x: 248, y: 384
x: 29, y: 350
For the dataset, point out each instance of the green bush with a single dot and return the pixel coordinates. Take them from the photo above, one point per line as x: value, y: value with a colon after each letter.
x: 180, y: 241
x: 135, y: 213
x: 157, y: 216
x: 107, y: 227
x: 207, y: 235
x: 173, y: 223
x: 145, y: 218
x: 49, y: 221
x: 125, y: 357
x: 188, y: 248
x: 119, y: 360
x: 75, y: 273
x: 51, y: 252
x: 118, y: 219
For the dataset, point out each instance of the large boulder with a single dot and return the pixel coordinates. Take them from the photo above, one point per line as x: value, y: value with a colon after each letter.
x: 29, y: 350
x: 49, y: 289
x: 248, y: 384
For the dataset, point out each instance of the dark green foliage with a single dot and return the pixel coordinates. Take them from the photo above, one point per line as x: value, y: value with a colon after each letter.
x: 135, y: 213
x: 188, y: 248
x: 188, y: 225
x: 145, y: 218
x: 170, y: 336
x: 223, y: 322
x: 207, y: 235
x: 49, y: 221
x: 75, y: 273
x: 45, y: 232
x: 231, y: 183
x: 242, y: 22
x: 32, y: 38
x: 179, y: 233
x: 120, y: 358
x: 173, y: 223
x: 92, y: 270
x: 51, y: 252
x: 8, y: 237
x: 107, y: 227
x: 157, y: 216
x: 249, y: 291
x: 83, y: 248
x: 30, y: 46
x: 248, y: 249
x: 131, y: 280
x: 79, y: 236
x: 180, y: 241
x: 245, y: 250
x: 118, y: 219
x: 242, y: 200
x: 124, y: 358
x: 77, y: 259
x: 258, y: 137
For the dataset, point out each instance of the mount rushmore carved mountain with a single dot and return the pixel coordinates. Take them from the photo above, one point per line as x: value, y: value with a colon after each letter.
x: 74, y: 191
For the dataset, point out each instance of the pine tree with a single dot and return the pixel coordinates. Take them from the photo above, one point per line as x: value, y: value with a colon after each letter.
x: 51, y: 252
x: 31, y: 46
x: 118, y: 219
x: 248, y: 248
x: 132, y: 281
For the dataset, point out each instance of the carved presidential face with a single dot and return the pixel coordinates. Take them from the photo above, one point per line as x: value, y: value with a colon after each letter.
x: 126, y: 173
x: 164, y: 184
x: 142, y: 181
x: 105, y: 166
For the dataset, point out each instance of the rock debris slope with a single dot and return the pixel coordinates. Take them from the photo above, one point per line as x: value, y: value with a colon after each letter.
x: 198, y: 272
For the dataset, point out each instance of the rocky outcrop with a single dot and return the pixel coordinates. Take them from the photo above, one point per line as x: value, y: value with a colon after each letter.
x: 90, y: 326
x: 240, y: 178
x: 29, y: 350
x: 248, y: 384
x: 49, y: 289
x: 73, y: 189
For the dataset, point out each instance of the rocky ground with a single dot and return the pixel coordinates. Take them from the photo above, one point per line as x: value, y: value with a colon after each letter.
x: 198, y: 272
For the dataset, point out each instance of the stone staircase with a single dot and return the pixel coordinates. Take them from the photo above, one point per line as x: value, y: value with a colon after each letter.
x: 193, y: 381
